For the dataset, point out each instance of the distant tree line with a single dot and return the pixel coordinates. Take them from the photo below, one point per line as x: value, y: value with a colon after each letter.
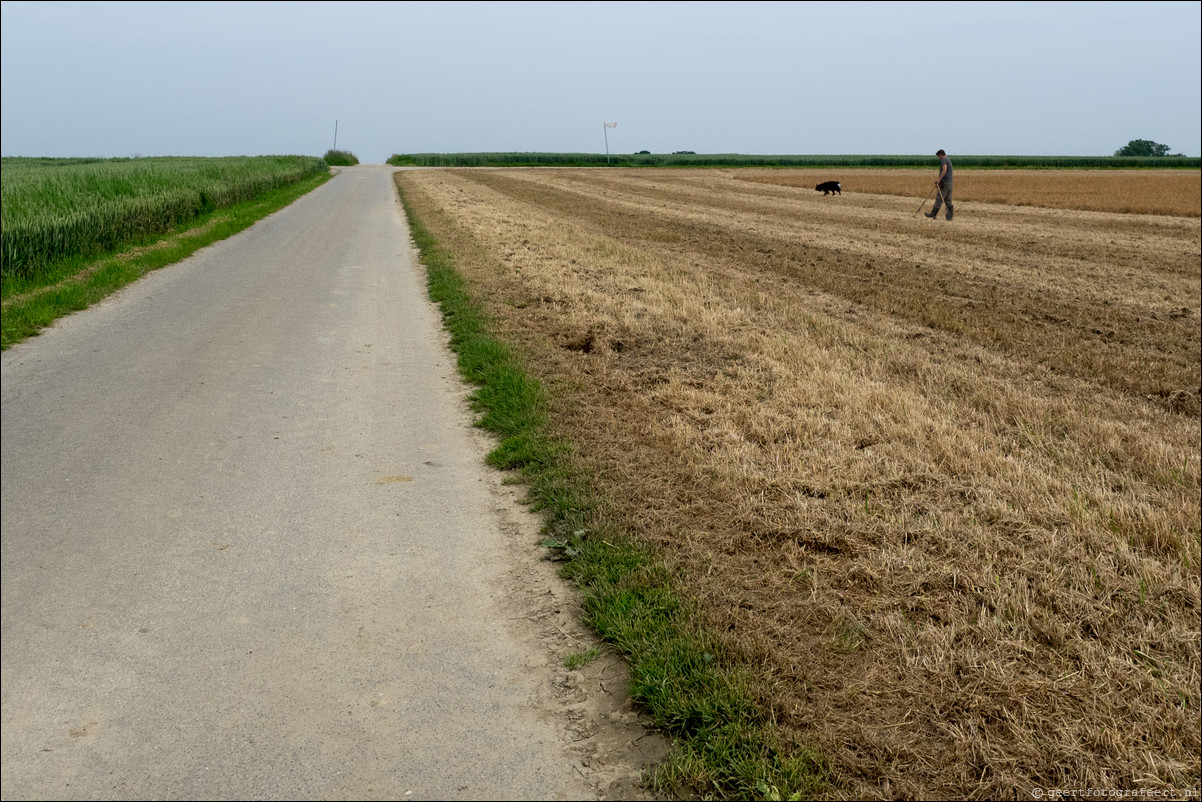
x: 689, y: 159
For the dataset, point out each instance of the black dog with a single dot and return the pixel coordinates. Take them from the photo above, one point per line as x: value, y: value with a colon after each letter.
x: 829, y: 188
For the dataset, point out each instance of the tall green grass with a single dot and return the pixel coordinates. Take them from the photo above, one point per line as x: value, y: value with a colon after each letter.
x: 55, y: 209
x: 340, y: 158
x: 29, y: 304
x: 751, y: 160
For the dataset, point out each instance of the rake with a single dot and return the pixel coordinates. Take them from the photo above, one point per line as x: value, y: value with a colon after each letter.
x: 924, y: 203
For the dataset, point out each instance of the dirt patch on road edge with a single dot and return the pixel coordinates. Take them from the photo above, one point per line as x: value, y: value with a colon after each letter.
x: 614, y: 742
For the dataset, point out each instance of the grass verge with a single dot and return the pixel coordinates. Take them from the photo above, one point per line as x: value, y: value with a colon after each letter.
x: 724, y: 745
x: 29, y: 305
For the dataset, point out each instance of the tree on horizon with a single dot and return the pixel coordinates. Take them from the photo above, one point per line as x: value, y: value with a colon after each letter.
x: 1144, y: 147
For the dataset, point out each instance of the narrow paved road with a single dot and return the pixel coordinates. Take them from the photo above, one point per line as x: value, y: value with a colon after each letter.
x: 247, y: 548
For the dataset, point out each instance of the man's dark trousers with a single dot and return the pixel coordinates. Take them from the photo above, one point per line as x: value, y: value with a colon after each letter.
x: 943, y: 196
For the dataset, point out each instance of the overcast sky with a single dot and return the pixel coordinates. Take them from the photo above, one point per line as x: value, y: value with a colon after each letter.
x: 222, y: 79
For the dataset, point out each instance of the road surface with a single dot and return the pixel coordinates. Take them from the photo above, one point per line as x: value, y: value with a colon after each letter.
x: 250, y: 549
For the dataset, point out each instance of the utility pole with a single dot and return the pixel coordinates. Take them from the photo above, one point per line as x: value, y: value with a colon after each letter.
x: 335, y: 135
x: 606, y: 130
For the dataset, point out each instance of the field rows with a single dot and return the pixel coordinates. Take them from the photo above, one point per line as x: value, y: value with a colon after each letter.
x: 937, y: 483
x: 1165, y: 192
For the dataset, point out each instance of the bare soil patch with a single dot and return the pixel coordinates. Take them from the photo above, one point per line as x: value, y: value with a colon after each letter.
x: 939, y: 483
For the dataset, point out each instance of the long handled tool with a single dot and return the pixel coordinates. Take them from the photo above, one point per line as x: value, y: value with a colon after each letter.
x: 943, y: 198
x: 924, y: 203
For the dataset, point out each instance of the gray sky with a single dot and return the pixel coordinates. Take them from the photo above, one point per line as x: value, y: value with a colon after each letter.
x: 224, y: 79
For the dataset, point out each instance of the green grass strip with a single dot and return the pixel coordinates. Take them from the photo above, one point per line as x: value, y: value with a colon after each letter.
x: 724, y: 744
x: 29, y: 305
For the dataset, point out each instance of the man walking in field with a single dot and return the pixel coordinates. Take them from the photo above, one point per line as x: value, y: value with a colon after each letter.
x: 944, y: 183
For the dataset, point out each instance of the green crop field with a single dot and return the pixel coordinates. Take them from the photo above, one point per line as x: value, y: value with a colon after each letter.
x: 689, y: 159
x: 55, y: 209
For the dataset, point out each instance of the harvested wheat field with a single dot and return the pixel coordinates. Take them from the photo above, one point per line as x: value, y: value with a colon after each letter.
x: 938, y: 481
x: 1164, y: 192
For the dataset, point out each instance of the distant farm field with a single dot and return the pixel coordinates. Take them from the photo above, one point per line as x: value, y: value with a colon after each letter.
x: 936, y: 483
x: 1165, y: 192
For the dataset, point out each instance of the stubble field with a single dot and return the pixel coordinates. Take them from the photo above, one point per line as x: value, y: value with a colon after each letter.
x: 937, y: 483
